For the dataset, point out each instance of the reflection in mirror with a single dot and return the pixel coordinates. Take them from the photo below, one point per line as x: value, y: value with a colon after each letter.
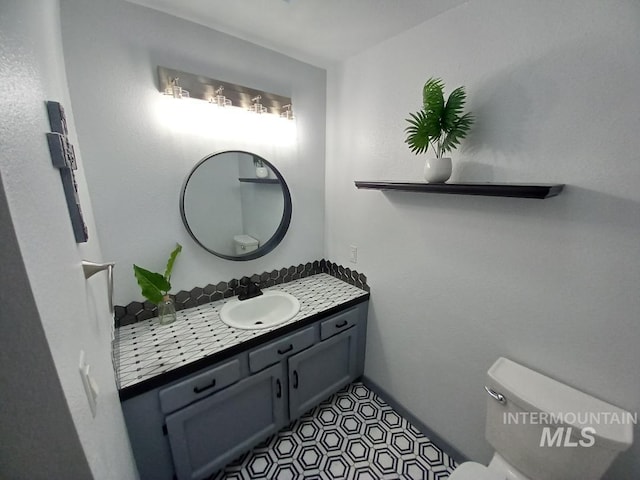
x: 236, y: 205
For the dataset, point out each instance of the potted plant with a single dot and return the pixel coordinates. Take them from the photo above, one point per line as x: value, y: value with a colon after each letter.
x: 261, y: 170
x: 155, y: 288
x: 438, y: 124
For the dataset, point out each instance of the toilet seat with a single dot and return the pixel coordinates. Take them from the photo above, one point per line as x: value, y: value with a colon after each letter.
x: 475, y: 471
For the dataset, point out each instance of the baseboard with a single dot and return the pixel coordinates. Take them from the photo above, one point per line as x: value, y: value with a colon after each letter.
x: 426, y: 431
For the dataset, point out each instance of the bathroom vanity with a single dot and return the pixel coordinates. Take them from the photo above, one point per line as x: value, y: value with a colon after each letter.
x: 198, y: 393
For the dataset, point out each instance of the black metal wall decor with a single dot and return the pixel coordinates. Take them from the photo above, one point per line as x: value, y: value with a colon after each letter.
x: 64, y: 158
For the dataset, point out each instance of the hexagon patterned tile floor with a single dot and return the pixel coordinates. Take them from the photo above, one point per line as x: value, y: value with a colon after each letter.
x: 352, y: 435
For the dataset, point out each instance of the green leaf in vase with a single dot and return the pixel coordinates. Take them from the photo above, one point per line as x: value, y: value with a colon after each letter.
x: 171, y: 261
x: 154, y: 286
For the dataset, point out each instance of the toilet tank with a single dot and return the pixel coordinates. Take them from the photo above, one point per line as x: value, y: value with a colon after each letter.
x: 550, y: 431
x: 245, y: 244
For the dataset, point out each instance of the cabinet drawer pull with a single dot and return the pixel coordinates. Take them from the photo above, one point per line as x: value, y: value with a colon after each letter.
x: 285, y: 350
x: 279, y: 391
x: 295, y: 379
x: 202, y: 389
x: 341, y: 324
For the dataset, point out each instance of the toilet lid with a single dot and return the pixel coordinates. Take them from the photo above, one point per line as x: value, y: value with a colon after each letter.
x: 475, y: 471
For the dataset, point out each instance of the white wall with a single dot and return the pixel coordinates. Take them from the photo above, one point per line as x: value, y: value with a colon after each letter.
x: 262, y: 205
x: 38, y: 433
x: 459, y: 281
x: 73, y: 312
x: 214, y: 218
x: 139, y: 146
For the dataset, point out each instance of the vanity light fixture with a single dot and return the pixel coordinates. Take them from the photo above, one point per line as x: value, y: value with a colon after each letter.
x: 175, y: 90
x: 256, y: 106
x: 210, y: 90
x: 219, y: 99
x: 287, y: 112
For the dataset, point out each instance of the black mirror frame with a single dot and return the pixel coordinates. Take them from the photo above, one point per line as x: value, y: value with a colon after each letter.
x: 280, y: 232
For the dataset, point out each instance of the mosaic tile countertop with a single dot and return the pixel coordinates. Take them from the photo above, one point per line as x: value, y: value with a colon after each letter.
x: 145, y: 349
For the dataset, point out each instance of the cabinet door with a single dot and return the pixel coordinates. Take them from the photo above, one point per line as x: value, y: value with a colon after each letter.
x: 321, y: 370
x: 208, y: 434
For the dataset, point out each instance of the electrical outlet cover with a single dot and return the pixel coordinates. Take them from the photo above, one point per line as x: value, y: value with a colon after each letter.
x: 353, y: 254
x: 90, y: 386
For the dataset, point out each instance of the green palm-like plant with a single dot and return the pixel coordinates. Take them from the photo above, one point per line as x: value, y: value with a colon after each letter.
x: 155, y: 286
x: 439, y: 124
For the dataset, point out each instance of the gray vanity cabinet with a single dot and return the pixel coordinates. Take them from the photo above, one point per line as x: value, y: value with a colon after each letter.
x: 321, y: 370
x: 191, y: 427
x: 210, y: 433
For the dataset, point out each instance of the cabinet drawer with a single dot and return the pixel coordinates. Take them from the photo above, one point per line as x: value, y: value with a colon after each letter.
x: 338, y: 323
x: 274, y: 352
x: 200, y: 386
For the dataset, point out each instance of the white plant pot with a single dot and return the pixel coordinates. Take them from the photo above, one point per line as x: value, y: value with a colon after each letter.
x: 262, y: 172
x: 437, y: 170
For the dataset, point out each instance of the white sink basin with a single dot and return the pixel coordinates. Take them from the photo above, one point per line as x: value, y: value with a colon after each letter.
x: 271, y: 308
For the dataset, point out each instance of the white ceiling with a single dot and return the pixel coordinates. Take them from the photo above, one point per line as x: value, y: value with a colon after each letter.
x: 319, y: 32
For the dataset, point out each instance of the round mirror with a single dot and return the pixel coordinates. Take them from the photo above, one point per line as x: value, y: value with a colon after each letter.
x: 236, y: 205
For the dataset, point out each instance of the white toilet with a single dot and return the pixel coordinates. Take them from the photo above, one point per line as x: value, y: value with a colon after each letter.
x: 244, y: 244
x: 579, y: 441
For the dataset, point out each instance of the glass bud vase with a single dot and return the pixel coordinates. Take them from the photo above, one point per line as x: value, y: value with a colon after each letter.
x: 166, y: 311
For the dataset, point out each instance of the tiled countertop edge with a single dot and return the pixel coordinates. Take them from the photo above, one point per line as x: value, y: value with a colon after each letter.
x: 175, y: 374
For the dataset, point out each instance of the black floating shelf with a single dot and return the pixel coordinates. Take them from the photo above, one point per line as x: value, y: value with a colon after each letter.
x: 259, y: 180
x: 519, y: 190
